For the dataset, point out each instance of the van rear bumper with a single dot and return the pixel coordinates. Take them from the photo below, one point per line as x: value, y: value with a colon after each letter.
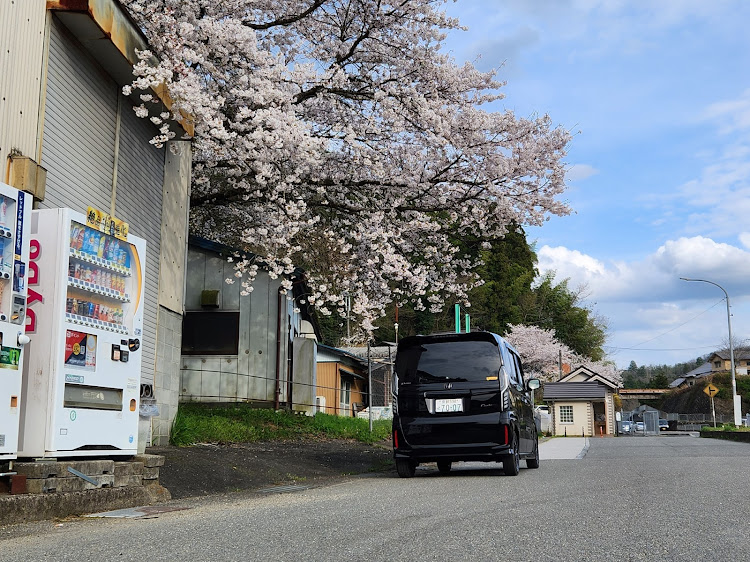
x: 450, y: 443
x: 486, y: 452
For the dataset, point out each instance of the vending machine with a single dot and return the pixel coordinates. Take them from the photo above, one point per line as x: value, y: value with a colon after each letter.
x: 15, y: 209
x: 82, y: 380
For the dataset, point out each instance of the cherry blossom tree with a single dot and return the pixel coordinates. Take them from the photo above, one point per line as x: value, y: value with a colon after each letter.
x: 336, y: 136
x: 541, y: 353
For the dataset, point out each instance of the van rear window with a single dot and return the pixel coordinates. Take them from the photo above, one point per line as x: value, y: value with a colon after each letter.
x: 454, y: 361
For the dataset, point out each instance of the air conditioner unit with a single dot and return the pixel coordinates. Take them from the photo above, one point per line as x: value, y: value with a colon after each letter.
x: 320, y: 404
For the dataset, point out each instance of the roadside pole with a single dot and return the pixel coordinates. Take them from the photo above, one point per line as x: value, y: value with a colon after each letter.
x: 369, y: 385
x: 711, y: 390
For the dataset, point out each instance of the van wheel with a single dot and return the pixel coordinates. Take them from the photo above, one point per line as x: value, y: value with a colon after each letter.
x: 405, y: 468
x: 512, y: 463
x: 533, y: 462
x: 444, y: 467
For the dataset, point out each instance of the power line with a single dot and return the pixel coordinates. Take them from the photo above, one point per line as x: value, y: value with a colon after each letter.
x: 637, y: 348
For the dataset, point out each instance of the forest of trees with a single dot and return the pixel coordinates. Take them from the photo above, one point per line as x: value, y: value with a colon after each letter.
x: 656, y: 376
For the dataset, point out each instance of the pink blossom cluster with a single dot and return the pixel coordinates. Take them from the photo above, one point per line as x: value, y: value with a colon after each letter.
x: 337, y: 136
x: 542, y: 355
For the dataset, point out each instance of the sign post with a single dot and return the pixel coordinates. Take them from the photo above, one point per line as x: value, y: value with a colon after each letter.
x: 711, y: 390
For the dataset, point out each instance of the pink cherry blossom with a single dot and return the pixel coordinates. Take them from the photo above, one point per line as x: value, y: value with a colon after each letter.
x: 337, y: 136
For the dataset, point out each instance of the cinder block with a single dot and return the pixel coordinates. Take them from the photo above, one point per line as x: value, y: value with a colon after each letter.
x: 151, y: 473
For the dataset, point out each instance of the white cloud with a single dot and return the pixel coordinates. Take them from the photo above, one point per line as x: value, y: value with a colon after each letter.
x: 578, y: 172
x: 655, y: 278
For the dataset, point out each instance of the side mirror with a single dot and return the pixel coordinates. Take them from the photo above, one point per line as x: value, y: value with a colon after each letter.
x: 533, y: 384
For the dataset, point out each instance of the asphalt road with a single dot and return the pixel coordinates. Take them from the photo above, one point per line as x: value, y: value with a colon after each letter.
x: 629, y: 498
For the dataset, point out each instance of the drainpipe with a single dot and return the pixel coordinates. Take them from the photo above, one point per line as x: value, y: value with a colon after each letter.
x: 277, y: 390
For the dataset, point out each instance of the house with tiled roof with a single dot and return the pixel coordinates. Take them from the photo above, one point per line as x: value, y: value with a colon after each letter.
x: 581, y: 403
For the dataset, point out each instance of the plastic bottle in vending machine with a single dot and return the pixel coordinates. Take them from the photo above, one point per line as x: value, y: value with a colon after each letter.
x: 100, y: 248
x: 79, y: 242
x: 74, y: 235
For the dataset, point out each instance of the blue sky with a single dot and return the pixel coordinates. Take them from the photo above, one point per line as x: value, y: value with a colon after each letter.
x: 657, y: 94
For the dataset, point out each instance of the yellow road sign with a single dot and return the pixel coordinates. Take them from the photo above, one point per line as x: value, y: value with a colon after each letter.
x: 711, y: 390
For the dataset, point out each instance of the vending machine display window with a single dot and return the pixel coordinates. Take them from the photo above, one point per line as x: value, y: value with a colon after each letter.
x: 98, y: 268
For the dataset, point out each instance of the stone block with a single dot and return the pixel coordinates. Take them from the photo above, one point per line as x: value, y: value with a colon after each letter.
x: 129, y: 480
x: 74, y: 484
x: 128, y: 468
x: 151, y: 473
x: 59, y: 469
x: 150, y: 461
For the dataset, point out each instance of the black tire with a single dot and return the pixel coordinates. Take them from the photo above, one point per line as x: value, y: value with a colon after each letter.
x: 533, y: 462
x: 444, y: 466
x: 405, y: 468
x: 512, y: 463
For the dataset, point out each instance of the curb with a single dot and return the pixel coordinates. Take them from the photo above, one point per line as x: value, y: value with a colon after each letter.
x: 24, y: 508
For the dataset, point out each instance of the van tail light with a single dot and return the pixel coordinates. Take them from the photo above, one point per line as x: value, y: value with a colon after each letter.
x: 395, y: 439
x: 505, y: 432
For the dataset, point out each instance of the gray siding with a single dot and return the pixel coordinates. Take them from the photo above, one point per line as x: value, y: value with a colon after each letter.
x: 251, y: 374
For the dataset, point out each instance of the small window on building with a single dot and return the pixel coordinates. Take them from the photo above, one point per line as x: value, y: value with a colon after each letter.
x: 210, y: 333
x: 717, y: 364
x: 346, y: 392
x: 566, y: 414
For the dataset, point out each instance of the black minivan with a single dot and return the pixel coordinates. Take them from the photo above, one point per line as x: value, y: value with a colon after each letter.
x: 462, y: 397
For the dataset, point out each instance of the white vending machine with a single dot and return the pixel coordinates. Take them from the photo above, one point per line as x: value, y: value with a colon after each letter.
x: 82, y: 378
x: 15, y: 210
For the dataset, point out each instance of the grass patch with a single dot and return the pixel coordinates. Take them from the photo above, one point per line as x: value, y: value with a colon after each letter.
x: 241, y: 423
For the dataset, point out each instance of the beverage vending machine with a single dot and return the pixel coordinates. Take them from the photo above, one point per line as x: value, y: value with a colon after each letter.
x: 82, y: 380
x: 15, y: 209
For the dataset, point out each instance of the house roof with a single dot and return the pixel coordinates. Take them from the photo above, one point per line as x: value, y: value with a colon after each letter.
x: 574, y: 390
x: 677, y: 382
x: 724, y: 354
x: 340, y: 355
x: 592, y: 377
x: 701, y: 370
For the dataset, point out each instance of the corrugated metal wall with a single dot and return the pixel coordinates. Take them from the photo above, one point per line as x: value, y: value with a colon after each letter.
x: 78, y: 152
x: 140, y: 181
x: 21, y: 50
x: 250, y: 375
x: 79, y: 127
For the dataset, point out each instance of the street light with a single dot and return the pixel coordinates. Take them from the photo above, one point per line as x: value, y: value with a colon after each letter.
x: 737, y: 414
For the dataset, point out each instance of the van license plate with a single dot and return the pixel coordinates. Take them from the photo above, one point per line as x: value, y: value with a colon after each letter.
x: 449, y: 405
